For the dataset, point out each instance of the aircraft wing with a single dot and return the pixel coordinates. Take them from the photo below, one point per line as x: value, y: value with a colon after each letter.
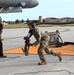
x: 9, y: 6
x: 10, y: 9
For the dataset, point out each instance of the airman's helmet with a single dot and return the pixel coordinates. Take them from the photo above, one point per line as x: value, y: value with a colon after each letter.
x: 57, y: 31
x: 32, y: 24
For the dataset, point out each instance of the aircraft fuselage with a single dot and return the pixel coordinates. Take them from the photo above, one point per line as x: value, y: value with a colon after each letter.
x: 15, y: 3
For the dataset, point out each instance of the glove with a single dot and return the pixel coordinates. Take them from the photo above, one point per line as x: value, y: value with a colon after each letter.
x: 2, y: 39
x: 26, y: 38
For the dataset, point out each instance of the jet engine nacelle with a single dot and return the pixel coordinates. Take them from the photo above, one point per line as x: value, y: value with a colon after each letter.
x: 11, y: 10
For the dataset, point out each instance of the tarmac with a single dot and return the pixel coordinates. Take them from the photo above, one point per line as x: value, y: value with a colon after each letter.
x: 17, y: 63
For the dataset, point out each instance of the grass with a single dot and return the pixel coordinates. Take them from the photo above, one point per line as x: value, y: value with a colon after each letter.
x: 15, y: 26
x: 25, y: 25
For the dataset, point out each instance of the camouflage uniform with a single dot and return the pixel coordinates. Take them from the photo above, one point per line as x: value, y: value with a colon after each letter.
x: 43, y: 39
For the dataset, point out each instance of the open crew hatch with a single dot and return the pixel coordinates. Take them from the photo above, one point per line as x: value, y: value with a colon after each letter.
x: 56, y: 40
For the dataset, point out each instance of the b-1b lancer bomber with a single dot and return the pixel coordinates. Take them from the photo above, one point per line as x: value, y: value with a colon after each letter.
x: 9, y: 6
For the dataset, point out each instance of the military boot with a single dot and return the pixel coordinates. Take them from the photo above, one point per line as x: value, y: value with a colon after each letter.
x: 42, y: 63
x: 3, y: 56
x: 59, y: 56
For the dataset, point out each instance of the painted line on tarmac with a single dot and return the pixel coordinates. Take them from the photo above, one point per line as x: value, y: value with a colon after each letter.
x: 43, y: 71
x: 65, y: 30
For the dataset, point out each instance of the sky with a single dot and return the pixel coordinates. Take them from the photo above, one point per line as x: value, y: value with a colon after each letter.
x: 46, y: 8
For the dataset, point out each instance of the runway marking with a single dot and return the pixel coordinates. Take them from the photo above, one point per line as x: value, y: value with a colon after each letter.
x: 63, y: 70
x: 65, y: 30
x: 65, y: 50
x: 12, y: 38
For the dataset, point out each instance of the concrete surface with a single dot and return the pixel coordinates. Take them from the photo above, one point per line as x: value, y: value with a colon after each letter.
x: 20, y: 33
x: 27, y: 65
x: 19, y: 64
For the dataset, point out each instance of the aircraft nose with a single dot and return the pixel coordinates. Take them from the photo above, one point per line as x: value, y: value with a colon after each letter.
x: 35, y: 3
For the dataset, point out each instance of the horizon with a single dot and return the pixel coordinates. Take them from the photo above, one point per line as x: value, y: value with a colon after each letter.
x: 37, y: 19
